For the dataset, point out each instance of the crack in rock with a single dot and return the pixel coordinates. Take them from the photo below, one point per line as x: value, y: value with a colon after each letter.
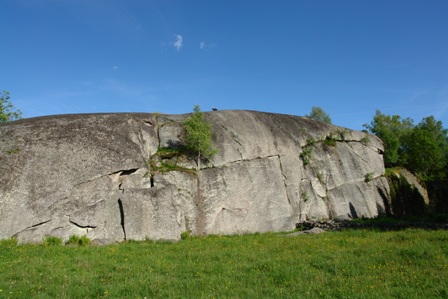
x: 284, y: 178
x: 120, y: 207
x: 31, y: 227
x: 124, y: 172
x: 38, y: 224
x: 241, y: 155
x: 82, y: 226
x: 252, y: 159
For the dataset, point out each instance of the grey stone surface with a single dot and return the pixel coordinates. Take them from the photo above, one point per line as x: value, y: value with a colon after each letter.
x: 92, y: 175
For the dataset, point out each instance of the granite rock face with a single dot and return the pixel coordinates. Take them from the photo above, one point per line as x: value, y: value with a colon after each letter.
x: 107, y: 176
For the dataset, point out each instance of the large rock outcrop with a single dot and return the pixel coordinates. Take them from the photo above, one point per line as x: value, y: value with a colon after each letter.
x: 110, y: 177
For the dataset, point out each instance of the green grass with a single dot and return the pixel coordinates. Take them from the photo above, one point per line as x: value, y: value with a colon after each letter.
x: 348, y: 264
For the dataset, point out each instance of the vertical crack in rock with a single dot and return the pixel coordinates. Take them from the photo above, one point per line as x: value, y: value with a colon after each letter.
x: 158, y: 126
x: 120, y: 207
x: 284, y: 179
x: 120, y: 188
x: 241, y: 155
x: 200, y: 224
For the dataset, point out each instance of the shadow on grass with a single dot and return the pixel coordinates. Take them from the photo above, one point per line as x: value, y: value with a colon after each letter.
x: 428, y: 222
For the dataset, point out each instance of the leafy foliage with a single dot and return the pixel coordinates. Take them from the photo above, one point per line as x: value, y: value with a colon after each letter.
x: 422, y: 149
x: 305, y: 155
x: 319, y: 114
x: 52, y: 241
x: 80, y: 241
x: 7, y: 109
x: 426, y: 149
x: 198, y: 136
x: 392, y: 130
x: 330, y: 141
x: 368, y: 177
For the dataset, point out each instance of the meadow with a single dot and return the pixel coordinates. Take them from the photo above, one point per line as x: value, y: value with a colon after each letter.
x: 347, y: 264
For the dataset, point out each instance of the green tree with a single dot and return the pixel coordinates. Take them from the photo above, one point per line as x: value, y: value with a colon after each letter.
x: 426, y: 149
x: 319, y: 114
x: 393, y: 131
x: 198, y: 137
x: 7, y: 110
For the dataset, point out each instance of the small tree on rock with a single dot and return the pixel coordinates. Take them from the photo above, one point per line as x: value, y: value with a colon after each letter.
x: 319, y: 114
x: 198, y: 137
x: 7, y: 110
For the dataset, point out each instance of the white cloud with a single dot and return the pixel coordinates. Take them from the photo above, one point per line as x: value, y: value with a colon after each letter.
x: 178, y: 43
x: 203, y: 46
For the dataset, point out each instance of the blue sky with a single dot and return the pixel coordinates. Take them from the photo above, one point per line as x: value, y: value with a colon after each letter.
x: 348, y: 57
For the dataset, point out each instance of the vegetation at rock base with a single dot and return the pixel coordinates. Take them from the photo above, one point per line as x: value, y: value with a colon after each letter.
x: 347, y: 264
x: 198, y: 137
x: 52, y: 241
x: 79, y: 241
x: 405, y: 198
x: 7, y: 110
x: 421, y: 148
x: 319, y: 114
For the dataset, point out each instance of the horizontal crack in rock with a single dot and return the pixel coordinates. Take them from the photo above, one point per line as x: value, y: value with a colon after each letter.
x: 125, y: 171
x: 39, y: 224
x: 81, y: 226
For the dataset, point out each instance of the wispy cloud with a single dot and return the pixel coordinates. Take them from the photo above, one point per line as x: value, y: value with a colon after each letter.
x: 203, y: 45
x: 178, y: 43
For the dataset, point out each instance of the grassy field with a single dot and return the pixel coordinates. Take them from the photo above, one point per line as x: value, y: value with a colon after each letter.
x: 348, y: 264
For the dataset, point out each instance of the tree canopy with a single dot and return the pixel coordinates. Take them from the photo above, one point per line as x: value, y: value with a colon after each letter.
x: 393, y: 131
x: 198, y: 137
x: 422, y: 149
x: 426, y: 149
x: 7, y: 110
x: 319, y: 114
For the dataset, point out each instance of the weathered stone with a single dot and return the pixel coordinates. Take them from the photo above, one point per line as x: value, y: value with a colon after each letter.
x: 99, y: 175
